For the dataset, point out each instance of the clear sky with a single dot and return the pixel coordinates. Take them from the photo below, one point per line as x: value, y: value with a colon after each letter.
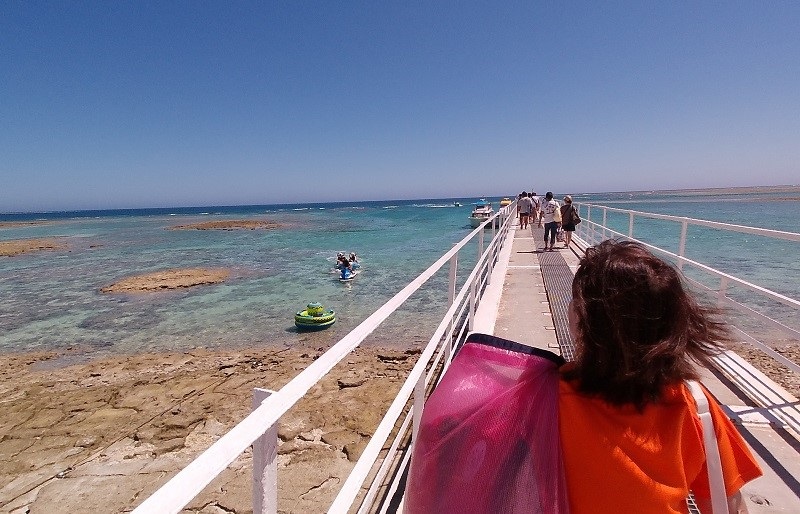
x: 109, y: 104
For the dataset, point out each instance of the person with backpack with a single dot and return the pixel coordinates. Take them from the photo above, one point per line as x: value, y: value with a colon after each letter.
x: 551, y: 215
x: 569, y: 218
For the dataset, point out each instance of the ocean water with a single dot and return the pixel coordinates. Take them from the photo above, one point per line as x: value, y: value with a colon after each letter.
x: 52, y: 300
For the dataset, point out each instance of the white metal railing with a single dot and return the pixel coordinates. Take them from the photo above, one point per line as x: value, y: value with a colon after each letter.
x: 593, y: 232
x: 259, y: 426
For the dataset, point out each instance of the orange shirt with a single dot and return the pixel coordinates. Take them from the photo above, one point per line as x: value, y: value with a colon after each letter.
x: 619, y: 460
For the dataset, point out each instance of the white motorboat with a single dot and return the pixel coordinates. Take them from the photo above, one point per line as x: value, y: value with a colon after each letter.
x: 481, y: 212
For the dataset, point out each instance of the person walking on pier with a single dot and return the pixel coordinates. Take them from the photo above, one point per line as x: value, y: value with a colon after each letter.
x: 630, y: 433
x: 537, y: 209
x: 569, y: 218
x: 524, y: 205
x: 551, y: 215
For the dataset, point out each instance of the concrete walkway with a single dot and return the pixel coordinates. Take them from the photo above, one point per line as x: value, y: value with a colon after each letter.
x: 515, y: 307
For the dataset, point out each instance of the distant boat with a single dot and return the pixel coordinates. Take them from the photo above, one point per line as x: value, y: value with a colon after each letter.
x: 456, y: 204
x: 481, y: 212
x: 505, y: 201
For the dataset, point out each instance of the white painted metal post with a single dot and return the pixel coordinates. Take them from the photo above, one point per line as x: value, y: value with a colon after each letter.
x: 682, y: 246
x: 265, y: 464
x: 451, y: 292
x: 630, y: 225
x: 491, y: 257
x: 605, y: 223
x: 480, y: 242
x: 472, y: 295
x: 419, y: 404
x: 723, y: 291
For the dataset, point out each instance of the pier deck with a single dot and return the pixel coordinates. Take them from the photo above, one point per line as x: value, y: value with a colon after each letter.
x: 526, y: 302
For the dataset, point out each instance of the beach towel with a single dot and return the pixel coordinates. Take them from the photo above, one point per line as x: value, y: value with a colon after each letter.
x: 488, y: 440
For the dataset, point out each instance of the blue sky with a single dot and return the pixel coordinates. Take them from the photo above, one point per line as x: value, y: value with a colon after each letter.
x: 147, y: 104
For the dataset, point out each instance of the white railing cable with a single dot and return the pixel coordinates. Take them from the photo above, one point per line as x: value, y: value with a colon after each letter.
x: 185, y: 485
x: 762, y: 317
x: 762, y: 290
x: 775, y: 234
x: 352, y: 486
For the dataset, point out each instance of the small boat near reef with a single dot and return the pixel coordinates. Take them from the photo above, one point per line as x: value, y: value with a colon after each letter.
x: 456, y: 204
x: 348, y: 274
x: 481, y: 212
x: 314, y: 317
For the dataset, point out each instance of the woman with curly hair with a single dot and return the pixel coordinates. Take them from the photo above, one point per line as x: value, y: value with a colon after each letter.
x: 630, y: 433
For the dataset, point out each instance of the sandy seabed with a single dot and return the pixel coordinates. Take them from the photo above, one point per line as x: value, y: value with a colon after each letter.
x: 101, y: 436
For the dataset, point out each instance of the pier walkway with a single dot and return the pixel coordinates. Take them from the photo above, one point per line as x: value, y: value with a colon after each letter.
x: 526, y: 302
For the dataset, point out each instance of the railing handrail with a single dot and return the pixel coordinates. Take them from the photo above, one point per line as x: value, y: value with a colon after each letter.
x: 351, y: 487
x: 713, y: 271
x: 191, y: 480
x: 725, y: 279
x: 776, y: 234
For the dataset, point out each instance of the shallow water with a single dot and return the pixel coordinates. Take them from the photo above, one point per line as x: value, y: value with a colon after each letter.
x: 52, y: 300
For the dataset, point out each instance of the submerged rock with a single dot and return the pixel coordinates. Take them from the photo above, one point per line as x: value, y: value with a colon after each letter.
x: 229, y: 225
x: 168, y: 279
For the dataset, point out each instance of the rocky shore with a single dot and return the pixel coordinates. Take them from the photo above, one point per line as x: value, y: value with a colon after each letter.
x: 102, y: 436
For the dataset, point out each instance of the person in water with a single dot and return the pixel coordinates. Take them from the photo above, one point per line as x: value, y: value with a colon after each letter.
x: 630, y: 435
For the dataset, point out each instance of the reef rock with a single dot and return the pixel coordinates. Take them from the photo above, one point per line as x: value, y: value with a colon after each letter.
x: 166, y: 280
x: 229, y: 225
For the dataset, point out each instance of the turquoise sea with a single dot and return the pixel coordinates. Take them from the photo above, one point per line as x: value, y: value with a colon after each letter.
x: 52, y: 300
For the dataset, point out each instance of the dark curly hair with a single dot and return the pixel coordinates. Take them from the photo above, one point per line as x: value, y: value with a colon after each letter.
x: 636, y: 327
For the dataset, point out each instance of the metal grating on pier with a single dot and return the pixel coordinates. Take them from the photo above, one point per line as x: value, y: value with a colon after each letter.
x: 558, y: 284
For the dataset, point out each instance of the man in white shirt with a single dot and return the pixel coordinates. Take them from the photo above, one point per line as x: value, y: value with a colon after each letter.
x: 551, y: 214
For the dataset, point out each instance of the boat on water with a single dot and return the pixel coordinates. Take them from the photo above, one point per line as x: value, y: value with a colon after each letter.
x: 481, y: 211
x: 456, y: 204
x: 506, y: 201
x: 314, y: 317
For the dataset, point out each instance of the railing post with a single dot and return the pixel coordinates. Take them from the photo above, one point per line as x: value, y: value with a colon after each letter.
x: 630, y: 225
x: 472, y: 297
x: 419, y: 404
x: 723, y: 291
x: 451, y: 294
x: 682, y: 246
x: 265, y: 464
x: 491, y: 255
x: 451, y: 289
x: 605, y: 223
x: 480, y: 242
